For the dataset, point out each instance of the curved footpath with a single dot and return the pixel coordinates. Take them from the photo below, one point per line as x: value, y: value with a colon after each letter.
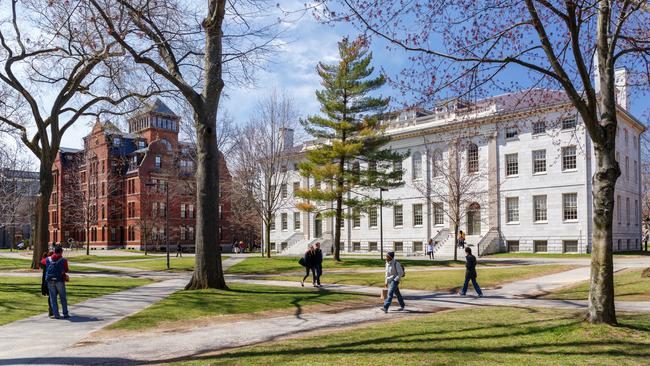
x: 74, y: 343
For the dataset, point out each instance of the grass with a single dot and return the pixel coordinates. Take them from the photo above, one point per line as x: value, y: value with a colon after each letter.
x: 538, y: 255
x: 628, y: 285
x: 160, y: 264
x: 441, y: 279
x: 275, y: 265
x: 11, y: 264
x: 105, y: 258
x: 239, y: 299
x: 21, y: 296
x: 474, y: 337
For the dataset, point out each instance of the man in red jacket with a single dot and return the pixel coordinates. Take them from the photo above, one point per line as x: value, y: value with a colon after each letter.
x: 56, y: 268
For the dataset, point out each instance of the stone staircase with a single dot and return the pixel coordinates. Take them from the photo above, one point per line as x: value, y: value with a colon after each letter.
x: 445, y: 247
x: 298, y: 248
x: 489, y: 243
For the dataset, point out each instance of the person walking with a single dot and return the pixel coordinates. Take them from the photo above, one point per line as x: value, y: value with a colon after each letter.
x: 44, y: 290
x: 318, y: 262
x: 394, y: 274
x: 461, y: 239
x: 308, y: 262
x: 430, y: 249
x: 56, y: 269
x: 179, y: 250
x: 242, y: 247
x: 470, y: 273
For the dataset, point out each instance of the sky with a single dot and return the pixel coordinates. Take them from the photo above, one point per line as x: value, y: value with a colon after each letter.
x: 293, y: 70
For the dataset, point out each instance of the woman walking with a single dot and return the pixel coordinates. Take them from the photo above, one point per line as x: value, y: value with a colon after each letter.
x: 44, y: 290
x: 308, y: 261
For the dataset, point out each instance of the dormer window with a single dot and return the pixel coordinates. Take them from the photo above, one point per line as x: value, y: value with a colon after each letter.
x: 117, y: 141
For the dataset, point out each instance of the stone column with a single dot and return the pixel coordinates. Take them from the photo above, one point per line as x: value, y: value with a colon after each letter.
x: 493, y: 182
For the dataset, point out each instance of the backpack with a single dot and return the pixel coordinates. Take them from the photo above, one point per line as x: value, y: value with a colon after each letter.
x: 54, y: 269
x: 403, y: 270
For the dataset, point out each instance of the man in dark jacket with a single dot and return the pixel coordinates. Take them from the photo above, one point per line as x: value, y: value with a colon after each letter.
x: 318, y: 262
x: 470, y: 273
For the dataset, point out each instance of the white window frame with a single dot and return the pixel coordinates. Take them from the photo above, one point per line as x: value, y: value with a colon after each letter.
x: 398, y: 216
x: 418, y: 219
x: 540, y: 209
x: 512, y: 166
x: 438, y: 213
x: 539, y: 156
x: 537, y: 131
x: 568, y: 159
x: 372, y: 217
x: 569, y: 209
x: 416, y: 165
x: 296, y: 221
x: 512, y: 210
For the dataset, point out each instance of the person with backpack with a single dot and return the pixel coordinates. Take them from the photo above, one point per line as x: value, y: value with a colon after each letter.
x: 394, y: 274
x: 44, y: 290
x: 318, y: 262
x: 56, y: 269
x: 179, y: 250
x: 470, y: 273
x: 461, y: 239
x: 308, y: 261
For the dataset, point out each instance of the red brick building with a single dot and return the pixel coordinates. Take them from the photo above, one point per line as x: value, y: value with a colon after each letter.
x: 122, y: 190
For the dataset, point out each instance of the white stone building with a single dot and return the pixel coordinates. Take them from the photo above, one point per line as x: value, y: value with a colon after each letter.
x: 530, y: 160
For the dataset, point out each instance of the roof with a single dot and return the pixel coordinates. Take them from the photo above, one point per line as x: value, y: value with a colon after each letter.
x: 69, y: 150
x: 158, y: 106
x: 20, y: 174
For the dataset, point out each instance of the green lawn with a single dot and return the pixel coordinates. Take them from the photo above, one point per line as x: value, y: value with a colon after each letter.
x: 537, y: 255
x: 21, y: 296
x: 442, y: 279
x: 106, y: 258
x: 629, y: 285
x: 275, y: 265
x: 239, y: 299
x: 182, y: 264
x: 11, y: 264
x: 475, y: 337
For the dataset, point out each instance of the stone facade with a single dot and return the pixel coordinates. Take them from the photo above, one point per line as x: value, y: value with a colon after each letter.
x: 530, y: 161
x: 123, y: 189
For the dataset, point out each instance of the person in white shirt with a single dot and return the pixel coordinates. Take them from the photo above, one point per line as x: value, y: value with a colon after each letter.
x: 394, y: 273
x: 430, y: 249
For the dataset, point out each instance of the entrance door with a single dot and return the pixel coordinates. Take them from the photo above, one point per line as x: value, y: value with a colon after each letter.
x: 318, y: 226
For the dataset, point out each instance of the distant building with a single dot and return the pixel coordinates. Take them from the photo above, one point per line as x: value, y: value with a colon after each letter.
x: 532, y: 161
x: 18, y: 191
x: 123, y: 189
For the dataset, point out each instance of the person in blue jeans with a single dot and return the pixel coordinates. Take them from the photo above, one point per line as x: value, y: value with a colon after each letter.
x: 56, y: 268
x: 394, y: 273
x: 470, y: 273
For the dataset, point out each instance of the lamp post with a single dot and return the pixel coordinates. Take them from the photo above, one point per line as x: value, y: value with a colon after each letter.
x: 381, y: 221
x: 151, y: 184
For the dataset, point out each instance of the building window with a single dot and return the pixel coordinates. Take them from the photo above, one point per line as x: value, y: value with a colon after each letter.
x: 398, y: 218
x: 539, y: 161
x: 569, y: 161
x: 158, y: 162
x: 183, y: 211
x: 474, y: 219
x: 372, y: 217
x: 512, y: 209
x: 626, y: 137
x: 191, y: 211
x: 539, y: 208
x: 283, y: 190
x: 569, y: 123
x: 356, y: 218
x: 511, y: 132
x: 539, y: 127
x: 397, y: 168
x: 417, y: 215
x: 512, y: 164
x: 398, y: 246
x: 472, y: 158
x: 416, y: 164
x: 636, y: 212
x: 636, y: 168
x: 627, y: 168
x: 627, y: 246
x: 296, y: 188
x: 438, y: 214
x: 570, y: 246
x: 356, y: 246
x: 190, y: 231
x: 570, y: 206
x: 540, y: 246
x: 512, y: 246
x: 437, y: 163
x: 284, y: 222
x: 272, y: 223
x: 296, y: 220
x: 417, y: 246
x: 618, y: 208
x: 183, y: 233
x: 372, y: 246
x: 627, y: 210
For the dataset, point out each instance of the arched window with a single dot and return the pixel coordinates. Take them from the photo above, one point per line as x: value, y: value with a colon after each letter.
x: 436, y: 163
x: 416, y: 165
x: 474, y: 219
x: 472, y: 158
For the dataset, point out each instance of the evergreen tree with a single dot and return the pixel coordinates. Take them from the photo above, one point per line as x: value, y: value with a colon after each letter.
x: 348, y: 135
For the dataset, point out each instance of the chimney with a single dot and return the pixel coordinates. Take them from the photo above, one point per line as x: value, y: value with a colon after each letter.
x: 286, y: 138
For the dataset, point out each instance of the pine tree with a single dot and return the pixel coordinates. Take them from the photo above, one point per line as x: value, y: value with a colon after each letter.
x: 347, y: 135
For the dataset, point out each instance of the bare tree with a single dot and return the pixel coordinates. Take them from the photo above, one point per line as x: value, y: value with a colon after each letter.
x: 196, y: 57
x: 262, y: 154
x: 16, y: 194
x: 554, y: 42
x: 56, y: 49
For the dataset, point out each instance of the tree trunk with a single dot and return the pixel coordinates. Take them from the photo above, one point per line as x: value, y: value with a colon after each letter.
x: 41, y: 231
x: 456, y: 241
x: 208, y: 272
x: 337, y: 228
x: 267, y: 238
